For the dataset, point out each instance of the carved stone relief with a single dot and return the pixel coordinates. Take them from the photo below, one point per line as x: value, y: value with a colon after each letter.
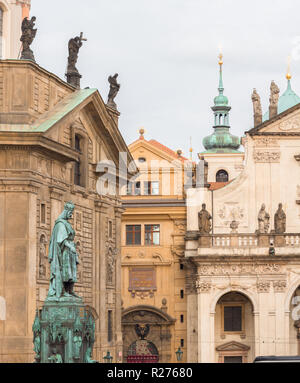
x: 230, y: 211
x: 279, y: 286
x: 266, y: 156
x: 240, y: 268
x: 263, y: 286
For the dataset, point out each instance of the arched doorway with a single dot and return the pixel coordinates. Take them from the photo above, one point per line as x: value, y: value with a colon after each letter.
x: 234, y: 329
x: 146, y: 335
x: 294, y: 323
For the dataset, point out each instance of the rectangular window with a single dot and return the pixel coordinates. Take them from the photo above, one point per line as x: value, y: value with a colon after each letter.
x: 151, y: 187
x: 181, y: 318
x: 232, y: 318
x: 181, y: 294
x: 133, y: 234
x: 233, y: 359
x: 152, y: 233
x: 43, y: 213
x: 109, y: 326
x: 137, y: 188
x: 181, y: 266
x: 181, y: 342
x: 129, y: 188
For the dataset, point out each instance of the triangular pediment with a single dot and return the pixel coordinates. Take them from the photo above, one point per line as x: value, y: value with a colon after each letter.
x: 284, y: 124
x: 233, y: 346
x: 88, y: 114
x: 153, y: 151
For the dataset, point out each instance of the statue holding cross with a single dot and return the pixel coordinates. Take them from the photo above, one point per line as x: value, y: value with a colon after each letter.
x: 73, y: 76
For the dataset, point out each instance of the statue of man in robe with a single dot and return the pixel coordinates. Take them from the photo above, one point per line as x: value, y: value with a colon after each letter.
x: 280, y: 220
x: 256, y: 103
x: 113, y: 91
x: 62, y: 256
x: 204, y: 220
x: 274, y: 96
x: 263, y: 220
x: 27, y: 37
x: 74, y: 45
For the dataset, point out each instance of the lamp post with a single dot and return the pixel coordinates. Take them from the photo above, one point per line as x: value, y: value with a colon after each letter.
x: 179, y: 354
x: 107, y: 358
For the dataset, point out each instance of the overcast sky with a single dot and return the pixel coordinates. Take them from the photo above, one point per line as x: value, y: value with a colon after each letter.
x: 165, y: 52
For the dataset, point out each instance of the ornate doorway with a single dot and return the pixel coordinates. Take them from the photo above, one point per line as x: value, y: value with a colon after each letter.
x: 146, y: 335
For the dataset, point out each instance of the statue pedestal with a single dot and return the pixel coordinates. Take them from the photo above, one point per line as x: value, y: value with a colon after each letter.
x: 67, y: 331
x: 73, y: 78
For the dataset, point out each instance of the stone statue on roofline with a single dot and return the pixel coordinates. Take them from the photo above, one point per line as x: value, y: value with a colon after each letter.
x: 274, y: 96
x: 257, y: 111
x: 28, y: 35
x: 73, y: 76
x: 113, y: 91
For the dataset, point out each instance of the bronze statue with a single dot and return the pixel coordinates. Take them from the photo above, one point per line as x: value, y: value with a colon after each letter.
x: 73, y: 76
x: 113, y: 91
x: 28, y: 35
x: 263, y: 220
x: 280, y: 220
x: 62, y: 256
x: 204, y: 220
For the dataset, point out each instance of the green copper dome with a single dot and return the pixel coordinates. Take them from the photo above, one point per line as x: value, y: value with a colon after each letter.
x: 287, y: 100
x: 221, y: 140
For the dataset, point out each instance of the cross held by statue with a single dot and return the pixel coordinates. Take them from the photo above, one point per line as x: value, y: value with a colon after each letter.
x: 81, y: 37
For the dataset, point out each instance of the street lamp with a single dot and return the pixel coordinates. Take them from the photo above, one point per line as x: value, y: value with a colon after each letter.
x: 107, y: 358
x: 179, y: 354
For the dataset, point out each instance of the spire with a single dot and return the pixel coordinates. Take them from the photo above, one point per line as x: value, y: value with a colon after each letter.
x: 221, y: 141
x: 221, y: 87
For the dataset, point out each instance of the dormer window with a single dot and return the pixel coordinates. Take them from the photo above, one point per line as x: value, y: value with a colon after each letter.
x: 142, y: 159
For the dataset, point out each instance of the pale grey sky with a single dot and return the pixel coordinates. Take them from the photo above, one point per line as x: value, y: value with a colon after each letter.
x: 165, y: 52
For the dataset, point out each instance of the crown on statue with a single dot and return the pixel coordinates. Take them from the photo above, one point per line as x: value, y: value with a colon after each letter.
x: 69, y: 206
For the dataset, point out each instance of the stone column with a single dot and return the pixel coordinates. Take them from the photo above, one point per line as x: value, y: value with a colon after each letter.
x: 204, y: 324
x: 99, y: 280
x: 118, y: 297
x: 279, y: 291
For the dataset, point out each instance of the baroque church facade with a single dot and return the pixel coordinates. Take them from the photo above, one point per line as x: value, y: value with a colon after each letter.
x: 244, y: 285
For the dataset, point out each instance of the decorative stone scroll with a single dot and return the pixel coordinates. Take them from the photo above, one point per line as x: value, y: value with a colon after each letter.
x: 266, y: 156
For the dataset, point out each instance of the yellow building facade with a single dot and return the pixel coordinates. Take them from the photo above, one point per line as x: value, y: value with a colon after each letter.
x: 152, y: 243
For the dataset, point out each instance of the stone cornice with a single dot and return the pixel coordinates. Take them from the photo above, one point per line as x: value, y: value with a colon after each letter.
x: 28, y: 141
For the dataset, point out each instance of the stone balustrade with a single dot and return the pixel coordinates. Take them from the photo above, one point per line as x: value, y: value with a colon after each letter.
x: 242, y: 240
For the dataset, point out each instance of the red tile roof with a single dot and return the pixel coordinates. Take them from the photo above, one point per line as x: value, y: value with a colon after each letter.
x: 217, y: 185
x: 166, y: 149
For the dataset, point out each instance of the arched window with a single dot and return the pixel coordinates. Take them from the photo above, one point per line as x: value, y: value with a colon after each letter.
x: 222, y: 176
x: 1, y: 32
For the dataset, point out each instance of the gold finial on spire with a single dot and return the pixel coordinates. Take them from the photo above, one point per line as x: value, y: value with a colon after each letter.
x: 191, y: 149
x: 142, y: 132
x: 220, y: 56
x: 288, y: 75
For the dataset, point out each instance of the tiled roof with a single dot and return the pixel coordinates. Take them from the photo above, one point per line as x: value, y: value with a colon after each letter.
x: 166, y: 149
x: 217, y: 185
